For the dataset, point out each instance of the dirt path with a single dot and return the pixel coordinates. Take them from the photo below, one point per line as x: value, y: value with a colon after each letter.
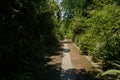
x: 81, y: 68
x: 75, y: 66
x: 69, y: 64
x: 67, y: 67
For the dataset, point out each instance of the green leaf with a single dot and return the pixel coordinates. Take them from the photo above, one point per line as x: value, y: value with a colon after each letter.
x: 111, y: 72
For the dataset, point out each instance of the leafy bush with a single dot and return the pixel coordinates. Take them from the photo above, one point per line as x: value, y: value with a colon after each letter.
x: 95, y: 28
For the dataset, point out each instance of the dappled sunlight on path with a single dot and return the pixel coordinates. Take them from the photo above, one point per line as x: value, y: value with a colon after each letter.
x: 67, y: 68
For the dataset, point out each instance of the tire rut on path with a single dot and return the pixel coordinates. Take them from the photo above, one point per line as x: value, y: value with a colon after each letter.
x: 67, y: 67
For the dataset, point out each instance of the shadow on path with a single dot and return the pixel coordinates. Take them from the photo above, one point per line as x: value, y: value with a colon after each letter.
x: 53, y: 71
x: 67, y: 74
x: 82, y: 74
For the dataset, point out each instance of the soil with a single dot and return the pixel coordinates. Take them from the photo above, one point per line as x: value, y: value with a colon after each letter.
x: 83, y: 69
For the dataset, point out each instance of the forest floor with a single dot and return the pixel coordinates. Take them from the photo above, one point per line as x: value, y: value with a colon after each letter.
x: 83, y: 67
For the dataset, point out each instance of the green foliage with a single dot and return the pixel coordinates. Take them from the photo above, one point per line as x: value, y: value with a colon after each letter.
x: 95, y: 28
x: 61, y: 31
x: 28, y: 35
x: 111, y: 74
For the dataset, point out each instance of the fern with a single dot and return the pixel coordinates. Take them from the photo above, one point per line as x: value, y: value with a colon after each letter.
x: 111, y: 72
x: 116, y: 65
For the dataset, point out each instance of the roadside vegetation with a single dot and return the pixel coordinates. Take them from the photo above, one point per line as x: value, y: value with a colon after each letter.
x: 31, y: 29
x: 94, y: 25
x: 28, y: 35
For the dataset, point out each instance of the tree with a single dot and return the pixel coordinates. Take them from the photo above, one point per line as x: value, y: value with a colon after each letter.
x: 27, y: 37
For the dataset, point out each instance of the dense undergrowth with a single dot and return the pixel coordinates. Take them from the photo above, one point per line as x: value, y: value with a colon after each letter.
x: 94, y: 25
x: 28, y: 34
